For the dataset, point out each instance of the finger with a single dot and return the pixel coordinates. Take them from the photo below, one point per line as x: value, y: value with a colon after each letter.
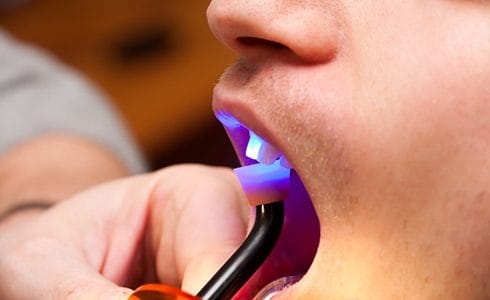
x: 41, y: 267
x: 83, y: 247
x: 200, y: 225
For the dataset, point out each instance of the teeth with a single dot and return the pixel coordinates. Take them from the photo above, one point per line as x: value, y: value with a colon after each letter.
x: 253, y: 146
x: 268, y: 154
x: 263, y: 152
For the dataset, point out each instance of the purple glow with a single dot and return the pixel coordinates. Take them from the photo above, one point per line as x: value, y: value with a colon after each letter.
x: 264, y: 183
x: 227, y: 120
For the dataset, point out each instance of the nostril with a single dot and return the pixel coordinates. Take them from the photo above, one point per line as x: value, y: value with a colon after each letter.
x: 253, y: 42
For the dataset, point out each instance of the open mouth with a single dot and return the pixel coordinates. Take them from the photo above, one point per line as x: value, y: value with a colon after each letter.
x: 297, y: 245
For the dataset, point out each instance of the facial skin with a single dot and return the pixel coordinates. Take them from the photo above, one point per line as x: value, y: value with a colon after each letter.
x: 383, y: 109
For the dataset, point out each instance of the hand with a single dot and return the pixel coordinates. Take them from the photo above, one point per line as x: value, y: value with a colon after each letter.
x: 175, y: 226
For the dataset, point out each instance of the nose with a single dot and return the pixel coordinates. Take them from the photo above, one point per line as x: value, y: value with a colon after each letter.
x: 308, y: 30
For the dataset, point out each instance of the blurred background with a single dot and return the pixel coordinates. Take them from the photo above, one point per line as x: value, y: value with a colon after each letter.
x: 155, y: 59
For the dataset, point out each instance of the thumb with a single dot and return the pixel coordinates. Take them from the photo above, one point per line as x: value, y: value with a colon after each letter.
x: 207, y: 224
x: 219, y: 234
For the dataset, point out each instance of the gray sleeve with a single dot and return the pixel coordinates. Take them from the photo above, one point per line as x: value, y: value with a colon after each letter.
x: 39, y: 95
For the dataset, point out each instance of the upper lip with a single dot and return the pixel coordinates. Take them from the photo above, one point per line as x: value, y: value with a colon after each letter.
x: 241, y: 110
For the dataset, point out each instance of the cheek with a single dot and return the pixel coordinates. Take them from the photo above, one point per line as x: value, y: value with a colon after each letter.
x: 470, y: 221
x: 421, y: 139
x: 422, y: 90
x: 313, y: 110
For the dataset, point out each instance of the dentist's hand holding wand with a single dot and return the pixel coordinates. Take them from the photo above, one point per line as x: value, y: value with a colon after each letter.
x: 176, y: 226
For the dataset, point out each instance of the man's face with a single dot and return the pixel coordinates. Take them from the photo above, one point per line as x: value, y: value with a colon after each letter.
x: 383, y: 109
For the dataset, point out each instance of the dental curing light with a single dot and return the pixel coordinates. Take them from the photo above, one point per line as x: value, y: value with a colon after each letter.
x: 259, y: 180
x: 264, y: 182
x: 270, y: 183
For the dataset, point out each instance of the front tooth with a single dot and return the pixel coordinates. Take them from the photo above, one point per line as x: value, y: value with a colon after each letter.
x: 260, y: 150
x: 253, y: 146
x: 268, y: 154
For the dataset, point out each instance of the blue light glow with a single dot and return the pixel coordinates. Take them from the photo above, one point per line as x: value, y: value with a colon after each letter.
x: 264, y: 183
x: 253, y: 146
x: 227, y: 120
x: 273, y: 173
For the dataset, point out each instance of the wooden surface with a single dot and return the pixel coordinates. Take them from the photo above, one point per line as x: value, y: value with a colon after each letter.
x: 156, y: 58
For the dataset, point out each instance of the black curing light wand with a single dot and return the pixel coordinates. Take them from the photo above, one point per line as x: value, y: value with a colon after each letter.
x: 261, y: 183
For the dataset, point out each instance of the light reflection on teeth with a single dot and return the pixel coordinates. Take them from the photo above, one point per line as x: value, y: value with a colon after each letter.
x: 227, y: 120
x: 268, y: 154
x: 263, y: 152
x: 253, y: 146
